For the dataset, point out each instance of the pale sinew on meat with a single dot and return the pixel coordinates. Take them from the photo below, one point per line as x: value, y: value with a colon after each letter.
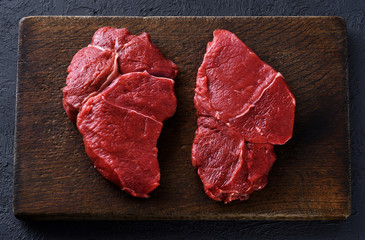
x: 244, y: 107
x: 120, y: 106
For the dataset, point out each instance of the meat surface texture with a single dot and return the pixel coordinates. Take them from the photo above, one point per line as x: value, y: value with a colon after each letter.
x: 119, y: 91
x: 244, y: 106
x: 112, y: 52
x: 90, y: 68
x: 120, y: 128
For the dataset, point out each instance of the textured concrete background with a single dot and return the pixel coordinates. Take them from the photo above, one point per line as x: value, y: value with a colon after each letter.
x: 353, y: 228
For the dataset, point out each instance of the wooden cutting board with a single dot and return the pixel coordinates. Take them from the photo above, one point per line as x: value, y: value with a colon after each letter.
x: 54, y: 178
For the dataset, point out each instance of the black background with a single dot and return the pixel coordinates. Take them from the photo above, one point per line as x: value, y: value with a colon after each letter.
x: 353, y: 228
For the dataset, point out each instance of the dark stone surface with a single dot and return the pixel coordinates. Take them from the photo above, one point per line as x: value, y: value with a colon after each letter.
x: 353, y: 228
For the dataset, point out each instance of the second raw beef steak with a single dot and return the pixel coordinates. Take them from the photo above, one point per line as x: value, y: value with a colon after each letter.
x: 244, y: 107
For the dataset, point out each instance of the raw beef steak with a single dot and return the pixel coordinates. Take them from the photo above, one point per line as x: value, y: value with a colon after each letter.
x: 119, y: 106
x: 243, y: 107
x: 120, y: 128
x: 112, y: 52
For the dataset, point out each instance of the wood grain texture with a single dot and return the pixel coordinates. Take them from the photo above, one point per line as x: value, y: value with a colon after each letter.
x: 54, y: 179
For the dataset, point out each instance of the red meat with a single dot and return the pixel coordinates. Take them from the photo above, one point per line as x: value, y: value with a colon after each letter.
x: 112, y: 52
x: 135, y: 53
x: 252, y: 103
x: 119, y: 107
x: 111, y: 38
x: 271, y: 118
x: 135, y: 91
x: 120, y: 128
x: 219, y: 155
x: 90, y: 68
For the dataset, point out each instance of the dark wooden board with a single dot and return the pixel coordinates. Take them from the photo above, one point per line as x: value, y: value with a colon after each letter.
x: 54, y: 179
